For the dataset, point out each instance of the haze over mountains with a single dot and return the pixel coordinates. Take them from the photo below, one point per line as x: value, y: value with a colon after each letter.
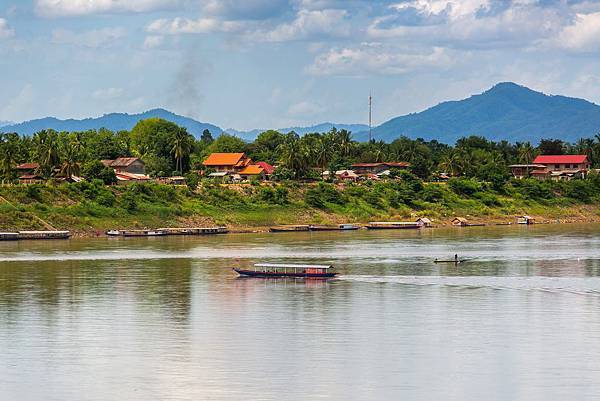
x: 506, y: 111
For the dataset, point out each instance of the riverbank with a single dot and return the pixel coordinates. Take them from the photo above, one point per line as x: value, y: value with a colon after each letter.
x: 89, y: 209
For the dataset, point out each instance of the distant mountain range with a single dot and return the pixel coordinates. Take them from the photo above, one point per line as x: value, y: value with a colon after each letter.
x: 506, y: 111
x: 323, y: 127
x: 112, y: 121
x: 5, y: 123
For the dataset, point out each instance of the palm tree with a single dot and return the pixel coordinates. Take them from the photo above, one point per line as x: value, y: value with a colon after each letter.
x: 8, y: 155
x: 181, y: 147
x: 47, y: 152
x: 322, y: 152
x: 344, y: 142
x: 294, y: 155
x: 70, y: 160
x: 525, y: 152
x: 450, y: 163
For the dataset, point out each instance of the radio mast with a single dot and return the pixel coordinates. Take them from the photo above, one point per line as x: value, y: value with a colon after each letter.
x: 370, y: 114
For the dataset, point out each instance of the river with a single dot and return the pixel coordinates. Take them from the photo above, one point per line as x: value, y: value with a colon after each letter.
x: 167, y: 319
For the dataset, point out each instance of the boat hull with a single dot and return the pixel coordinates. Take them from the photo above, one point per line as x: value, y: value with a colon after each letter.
x: 262, y: 274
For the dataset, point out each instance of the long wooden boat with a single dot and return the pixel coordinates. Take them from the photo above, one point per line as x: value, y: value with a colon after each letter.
x: 392, y: 225
x: 455, y: 261
x: 143, y: 233
x: 272, y: 270
x: 290, y: 228
x: 337, y: 227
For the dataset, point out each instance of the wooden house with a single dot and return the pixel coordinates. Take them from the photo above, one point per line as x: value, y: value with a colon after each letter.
x: 424, y: 222
x: 227, y: 162
x: 460, y: 222
x: 525, y: 220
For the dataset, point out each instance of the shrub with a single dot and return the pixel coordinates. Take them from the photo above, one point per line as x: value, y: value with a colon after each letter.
x: 464, y: 186
x: 129, y: 201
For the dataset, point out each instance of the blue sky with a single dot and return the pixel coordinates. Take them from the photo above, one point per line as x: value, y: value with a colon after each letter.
x: 275, y: 63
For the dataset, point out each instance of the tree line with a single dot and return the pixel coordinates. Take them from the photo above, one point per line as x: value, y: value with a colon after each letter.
x: 168, y: 149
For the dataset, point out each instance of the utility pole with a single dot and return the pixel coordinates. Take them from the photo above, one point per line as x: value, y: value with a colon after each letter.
x: 370, y: 105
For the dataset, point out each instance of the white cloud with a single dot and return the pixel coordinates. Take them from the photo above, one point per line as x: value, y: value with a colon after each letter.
x: 583, y: 35
x: 5, y: 30
x: 185, y: 25
x: 71, y: 8
x: 304, y: 109
x: 376, y: 59
x: 471, y: 23
x: 306, y: 25
x: 310, y: 24
x: 153, y: 41
x: 108, y: 94
x: 104, y: 37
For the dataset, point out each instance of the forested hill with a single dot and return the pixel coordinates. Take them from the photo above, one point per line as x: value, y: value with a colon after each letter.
x: 506, y: 111
x: 113, y: 122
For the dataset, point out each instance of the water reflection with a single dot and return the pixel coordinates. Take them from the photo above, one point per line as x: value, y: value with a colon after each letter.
x: 168, y: 319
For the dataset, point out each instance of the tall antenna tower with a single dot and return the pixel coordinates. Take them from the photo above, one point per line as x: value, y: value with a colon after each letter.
x: 370, y: 115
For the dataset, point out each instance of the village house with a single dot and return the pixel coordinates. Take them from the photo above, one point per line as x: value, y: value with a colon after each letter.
x: 460, y: 222
x: 555, y: 167
x: 268, y: 169
x: 341, y: 175
x: 520, y: 171
x: 253, y: 171
x: 378, y: 168
x: 424, y: 222
x: 27, y: 173
x: 128, y: 169
x: 227, y: 162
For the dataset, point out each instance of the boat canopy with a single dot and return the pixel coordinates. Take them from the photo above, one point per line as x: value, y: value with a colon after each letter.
x: 292, y: 266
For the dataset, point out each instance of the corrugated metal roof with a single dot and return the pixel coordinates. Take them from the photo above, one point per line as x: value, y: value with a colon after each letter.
x: 223, y: 159
x: 292, y: 266
x: 253, y: 169
x: 560, y: 159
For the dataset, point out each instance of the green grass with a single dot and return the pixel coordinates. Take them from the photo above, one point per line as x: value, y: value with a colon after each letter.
x: 89, y: 207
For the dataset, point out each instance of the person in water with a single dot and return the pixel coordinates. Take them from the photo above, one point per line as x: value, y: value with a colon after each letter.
x: 456, y: 258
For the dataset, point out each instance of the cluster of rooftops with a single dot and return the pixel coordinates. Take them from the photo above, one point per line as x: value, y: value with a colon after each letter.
x: 557, y: 167
x: 239, y: 166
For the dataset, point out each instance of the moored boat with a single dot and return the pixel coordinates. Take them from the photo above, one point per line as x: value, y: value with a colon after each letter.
x: 392, y: 225
x: 274, y: 270
x: 337, y: 227
x: 289, y: 228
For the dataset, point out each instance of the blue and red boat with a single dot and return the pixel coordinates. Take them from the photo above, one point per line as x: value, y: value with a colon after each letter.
x: 274, y: 270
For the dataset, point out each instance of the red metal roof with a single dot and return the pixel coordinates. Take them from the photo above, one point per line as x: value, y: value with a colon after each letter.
x: 561, y: 159
x: 267, y: 167
x: 27, y: 166
x: 389, y: 164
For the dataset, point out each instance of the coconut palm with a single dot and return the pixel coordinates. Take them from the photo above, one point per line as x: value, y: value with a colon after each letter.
x: 8, y: 154
x: 525, y: 152
x: 181, y: 147
x: 294, y: 155
x: 47, y: 151
x: 70, y: 165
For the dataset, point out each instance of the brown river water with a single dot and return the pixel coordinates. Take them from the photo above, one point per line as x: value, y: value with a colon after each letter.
x: 167, y: 319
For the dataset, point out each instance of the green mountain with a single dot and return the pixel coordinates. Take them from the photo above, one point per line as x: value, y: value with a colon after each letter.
x: 112, y: 121
x: 506, y: 111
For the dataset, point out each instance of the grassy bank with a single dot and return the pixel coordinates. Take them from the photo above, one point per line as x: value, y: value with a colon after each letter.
x: 87, y: 208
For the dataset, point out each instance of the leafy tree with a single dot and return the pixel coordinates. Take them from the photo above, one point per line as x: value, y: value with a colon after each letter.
x: 95, y: 170
x: 552, y: 147
x: 206, y: 137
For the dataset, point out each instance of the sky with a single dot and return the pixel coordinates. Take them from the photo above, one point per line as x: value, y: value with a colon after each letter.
x: 248, y: 64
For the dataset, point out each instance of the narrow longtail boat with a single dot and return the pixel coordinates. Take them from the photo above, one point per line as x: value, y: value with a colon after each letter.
x: 273, y: 270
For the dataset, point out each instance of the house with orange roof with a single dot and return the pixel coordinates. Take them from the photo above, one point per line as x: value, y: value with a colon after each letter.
x: 253, y: 171
x: 227, y: 162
